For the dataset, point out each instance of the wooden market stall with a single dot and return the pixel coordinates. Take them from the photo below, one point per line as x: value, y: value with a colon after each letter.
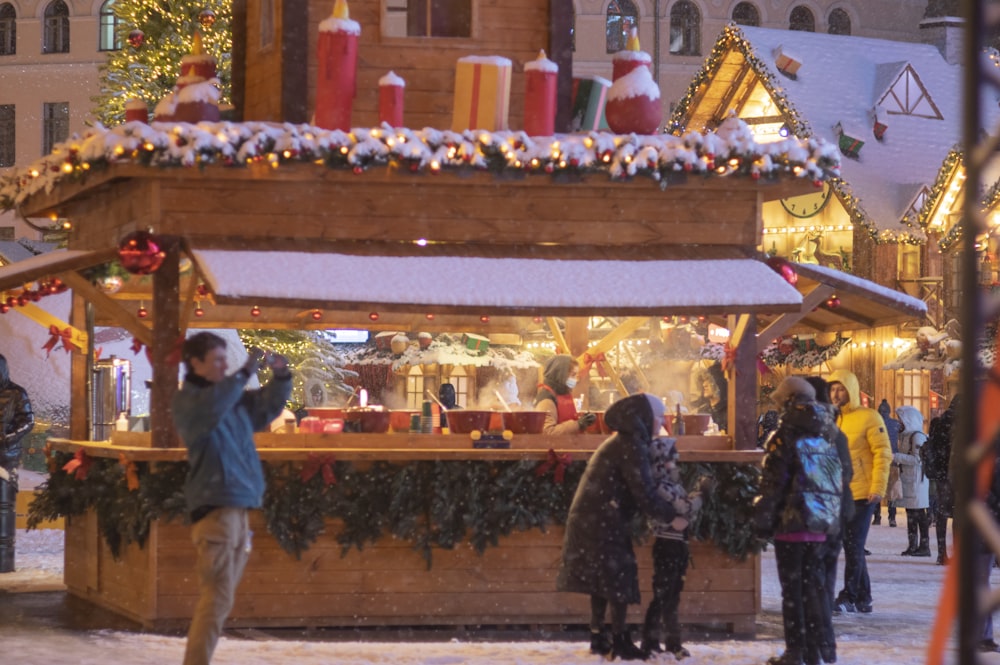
x: 393, y: 229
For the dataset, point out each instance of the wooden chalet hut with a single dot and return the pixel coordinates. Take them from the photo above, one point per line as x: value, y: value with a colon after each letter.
x: 894, y: 111
x: 281, y: 220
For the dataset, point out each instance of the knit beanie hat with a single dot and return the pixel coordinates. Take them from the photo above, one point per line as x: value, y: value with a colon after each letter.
x: 793, y: 388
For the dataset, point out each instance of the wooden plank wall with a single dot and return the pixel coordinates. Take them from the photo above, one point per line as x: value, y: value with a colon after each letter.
x: 389, y: 584
x: 515, y: 29
x: 263, y: 88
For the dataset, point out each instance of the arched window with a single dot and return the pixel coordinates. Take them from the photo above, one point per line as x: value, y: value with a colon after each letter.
x: 685, y: 29
x: 622, y: 17
x: 839, y: 22
x: 55, y: 38
x: 745, y: 13
x: 8, y: 29
x: 802, y: 19
x: 108, y: 39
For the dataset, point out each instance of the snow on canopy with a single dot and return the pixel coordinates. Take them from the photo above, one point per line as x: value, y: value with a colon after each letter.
x: 239, y: 144
x: 497, y: 283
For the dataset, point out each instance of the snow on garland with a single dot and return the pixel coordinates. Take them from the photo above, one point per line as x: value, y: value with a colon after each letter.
x: 731, y: 150
x: 443, y: 350
x: 801, y: 353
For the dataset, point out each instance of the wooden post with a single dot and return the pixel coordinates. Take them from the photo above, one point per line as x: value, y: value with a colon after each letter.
x: 742, y: 395
x: 166, y: 331
x: 578, y: 339
x: 79, y: 372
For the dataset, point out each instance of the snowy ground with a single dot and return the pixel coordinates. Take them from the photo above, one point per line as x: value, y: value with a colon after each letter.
x: 905, y: 589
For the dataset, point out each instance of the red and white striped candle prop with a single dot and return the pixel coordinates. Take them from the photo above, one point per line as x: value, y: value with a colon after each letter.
x: 337, y: 57
x: 390, y: 100
x: 540, y: 84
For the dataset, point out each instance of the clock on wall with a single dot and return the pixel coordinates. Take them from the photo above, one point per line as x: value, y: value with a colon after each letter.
x: 807, y: 205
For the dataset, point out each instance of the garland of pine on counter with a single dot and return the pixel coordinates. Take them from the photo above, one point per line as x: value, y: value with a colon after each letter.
x: 430, y: 504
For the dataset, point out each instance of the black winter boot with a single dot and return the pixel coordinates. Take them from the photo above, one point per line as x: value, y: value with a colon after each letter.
x: 786, y: 658
x: 650, y: 645
x: 911, y: 536
x: 623, y: 647
x: 599, y: 643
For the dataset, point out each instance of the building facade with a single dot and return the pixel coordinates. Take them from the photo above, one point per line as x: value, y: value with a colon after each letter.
x: 50, y: 52
x: 680, y: 33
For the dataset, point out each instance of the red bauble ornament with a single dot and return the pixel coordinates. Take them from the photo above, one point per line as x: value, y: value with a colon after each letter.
x: 142, y: 312
x: 833, y: 302
x: 199, y: 312
x: 4, y: 309
x: 255, y: 311
x: 430, y: 317
x: 136, y: 38
x: 206, y: 18
x: 373, y: 316
x: 140, y: 253
x: 783, y: 268
x: 316, y: 315
x: 484, y: 318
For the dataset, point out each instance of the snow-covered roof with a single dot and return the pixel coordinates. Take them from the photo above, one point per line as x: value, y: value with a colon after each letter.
x: 507, y: 283
x: 841, y: 80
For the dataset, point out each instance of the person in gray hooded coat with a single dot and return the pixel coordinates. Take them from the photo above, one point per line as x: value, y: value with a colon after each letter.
x: 597, y: 557
x: 915, y: 484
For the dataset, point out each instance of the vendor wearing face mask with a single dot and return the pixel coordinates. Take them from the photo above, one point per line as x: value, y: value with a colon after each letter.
x: 555, y: 397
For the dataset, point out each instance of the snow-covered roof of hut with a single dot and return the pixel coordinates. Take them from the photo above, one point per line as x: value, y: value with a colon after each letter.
x: 492, y: 283
x: 848, y: 80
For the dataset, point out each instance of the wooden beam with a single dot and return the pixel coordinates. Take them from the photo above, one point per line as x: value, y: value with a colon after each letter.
x: 623, y: 331
x: 784, y: 323
x: 721, y: 111
x: 557, y: 335
x: 108, y: 306
x: 561, y: 15
x: 741, y: 406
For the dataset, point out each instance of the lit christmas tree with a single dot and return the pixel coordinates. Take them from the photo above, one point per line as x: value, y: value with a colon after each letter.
x: 154, y: 36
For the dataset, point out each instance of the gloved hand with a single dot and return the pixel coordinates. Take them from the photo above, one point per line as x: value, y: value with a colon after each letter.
x: 706, y: 485
x: 278, y: 363
x: 255, y: 357
x: 585, y: 420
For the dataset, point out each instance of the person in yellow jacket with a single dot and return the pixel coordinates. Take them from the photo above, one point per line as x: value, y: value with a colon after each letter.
x: 871, y: 456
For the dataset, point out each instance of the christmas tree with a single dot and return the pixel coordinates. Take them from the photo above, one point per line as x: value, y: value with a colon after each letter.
x: 154, y: 36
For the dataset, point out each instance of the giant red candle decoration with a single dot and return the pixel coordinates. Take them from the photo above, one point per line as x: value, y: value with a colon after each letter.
x: 634, y: 104
x: 540, y: 96
x: 337, y: 58
x: 390, y: 100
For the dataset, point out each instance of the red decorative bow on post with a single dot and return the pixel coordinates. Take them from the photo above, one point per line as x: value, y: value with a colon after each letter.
x: 56, y: 336
x: 728, y: 358
x: 80, y: 464
x: 588, y: 362
x: 319, y: 464
x: 136, y: 345
x: 131, y: 473
x: 557, y: 461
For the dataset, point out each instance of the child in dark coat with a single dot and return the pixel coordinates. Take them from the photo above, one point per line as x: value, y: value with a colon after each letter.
x: 670, y: 549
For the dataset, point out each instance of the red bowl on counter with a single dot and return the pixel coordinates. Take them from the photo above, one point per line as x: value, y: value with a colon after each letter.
x: 599, y: 426
x: 368, y: 421
x: 325, y: 412
x: 399, y: 420
x: 464, y: 421
x: 524, y: 422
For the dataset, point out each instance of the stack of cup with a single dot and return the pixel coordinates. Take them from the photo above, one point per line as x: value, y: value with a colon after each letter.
x: 426, y: 418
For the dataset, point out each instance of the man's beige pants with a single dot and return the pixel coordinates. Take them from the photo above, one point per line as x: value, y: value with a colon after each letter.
x: 222, y: 539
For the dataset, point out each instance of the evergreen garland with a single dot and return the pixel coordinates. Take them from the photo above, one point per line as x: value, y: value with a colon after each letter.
x: 432, y: 505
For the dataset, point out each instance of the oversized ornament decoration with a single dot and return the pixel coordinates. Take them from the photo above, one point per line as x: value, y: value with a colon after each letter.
x: 136, y: 38
x: 783, y: 268
x: 140, y: 253
x: 110, y: 284
x: 206, y: 18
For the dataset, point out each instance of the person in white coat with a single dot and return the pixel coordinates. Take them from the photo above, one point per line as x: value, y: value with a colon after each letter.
x: 915, y: 483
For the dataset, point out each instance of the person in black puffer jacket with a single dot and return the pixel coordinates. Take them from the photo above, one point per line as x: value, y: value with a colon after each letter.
x: 799, y: 506
x: 17, y: 420
x: 597, y: 557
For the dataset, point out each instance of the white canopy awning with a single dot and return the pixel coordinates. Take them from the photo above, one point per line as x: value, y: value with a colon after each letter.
x: 479, y: 284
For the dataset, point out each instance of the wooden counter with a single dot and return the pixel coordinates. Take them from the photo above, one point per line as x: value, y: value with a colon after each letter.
x: 388, y: 582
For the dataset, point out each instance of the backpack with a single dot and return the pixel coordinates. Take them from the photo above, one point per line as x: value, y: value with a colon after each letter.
x: 935, y: 454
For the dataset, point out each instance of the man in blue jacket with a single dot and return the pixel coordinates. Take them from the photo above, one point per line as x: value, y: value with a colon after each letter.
x: 216, y: 418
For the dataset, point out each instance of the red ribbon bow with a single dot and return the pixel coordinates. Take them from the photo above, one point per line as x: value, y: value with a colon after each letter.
x: 728, y: 358
x: 55, y: 336
x: 588, y: 362
x: 136, y: 345
x: 131, y: 473
x: 80, y: 464
x: 556, y: 460
x: 319, y: 464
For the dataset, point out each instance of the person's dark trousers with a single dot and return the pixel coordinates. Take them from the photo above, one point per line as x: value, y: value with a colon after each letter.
x: 8, y: 521
x: 670, y: 564
x: 801, y: 576
x: 857, y: 585
x: 917, y: 532
x: 942, y: 511
x: 829, y: 556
